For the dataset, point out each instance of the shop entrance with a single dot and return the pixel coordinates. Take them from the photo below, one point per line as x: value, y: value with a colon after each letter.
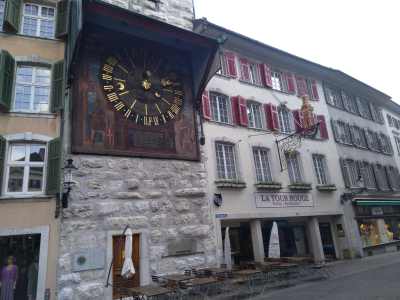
x: 241, y: 244
x: 120, y: 283
x: 19, y: 258
x: 327, y: 240
x: 292, y: 238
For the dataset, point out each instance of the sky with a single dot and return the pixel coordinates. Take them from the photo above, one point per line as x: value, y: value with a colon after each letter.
x: 358, y: 37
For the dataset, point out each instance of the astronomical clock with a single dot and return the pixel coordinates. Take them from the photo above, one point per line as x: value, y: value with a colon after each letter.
x: 135, y: 89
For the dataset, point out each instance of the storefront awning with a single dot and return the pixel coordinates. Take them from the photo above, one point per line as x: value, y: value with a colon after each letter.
x: 376, y: 202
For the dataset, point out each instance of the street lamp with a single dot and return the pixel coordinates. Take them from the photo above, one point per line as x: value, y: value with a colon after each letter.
x: 68, y: 182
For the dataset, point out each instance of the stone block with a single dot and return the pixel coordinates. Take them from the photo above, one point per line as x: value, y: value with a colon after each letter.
x: 128, y: 195
x: 121, y: 222
x: 132, y: 184
x: 69, y: 279
x: 66, y: 293
x: 190, y: 192
x: 196, y: 230
x: 89, y: 291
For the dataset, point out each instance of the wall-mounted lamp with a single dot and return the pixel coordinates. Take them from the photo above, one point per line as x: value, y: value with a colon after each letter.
x: 68, y: 182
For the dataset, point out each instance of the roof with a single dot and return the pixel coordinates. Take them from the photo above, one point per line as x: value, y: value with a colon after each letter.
x: 205, y: 27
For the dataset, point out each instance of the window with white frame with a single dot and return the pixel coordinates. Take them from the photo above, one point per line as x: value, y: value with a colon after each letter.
x: 38, y: 20
x: 224, y: 65
x: 2, y: 6
x: 32, y: 89
x: 381, y: 176
x: 344, y: 132
x: 255, y: 76
x: 226, y: 161
x: 369, y: 176
x: 320, y: 168
x: 353, y: 174
x: 254, y: 115
x: 220, y: 108
x: 285, y: 119
x: 359, y: 137
x: 277, y: 80
x: 262, y: 165
x: 25, y: 168
x: 294, y: 167
x: 397, y: 142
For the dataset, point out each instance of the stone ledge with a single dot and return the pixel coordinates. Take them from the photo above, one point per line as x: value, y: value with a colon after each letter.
x: 300, y: 186
x: 326, y: 187
x: 268, y: 185
x: 230, y: 184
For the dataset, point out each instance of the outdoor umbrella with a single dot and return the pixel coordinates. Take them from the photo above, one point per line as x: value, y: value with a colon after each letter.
x: 227, y: 250
x: 128, y: 270
x: 274, y: 250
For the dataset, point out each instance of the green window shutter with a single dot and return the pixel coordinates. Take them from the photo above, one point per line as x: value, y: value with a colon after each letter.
x: 12, y: 15
x: 2, y: 159
x: 344, y: 167
x: 62, y: 19
x: 7, y: 68
x: 53, y: 167
x: 57, y: 87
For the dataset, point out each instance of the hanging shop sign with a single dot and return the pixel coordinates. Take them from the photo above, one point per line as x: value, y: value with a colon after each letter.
x: 282, y: 200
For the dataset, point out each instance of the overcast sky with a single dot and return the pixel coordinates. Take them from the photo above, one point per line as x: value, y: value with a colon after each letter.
x: 358, y: 37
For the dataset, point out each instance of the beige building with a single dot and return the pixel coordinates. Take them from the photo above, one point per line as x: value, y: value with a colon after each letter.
x: 31, y: 48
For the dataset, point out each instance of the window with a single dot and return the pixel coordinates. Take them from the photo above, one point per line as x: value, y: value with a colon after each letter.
x: 220, y: 108
x: 349, y: 103
x: 353, y: 174
x: 320, y: 168
x: 2, y: 6
x: 376, y: 113
x: 369, y: 176
x: 32, y: 89
x: 38, y: 20
x: 277, y: 80
x: 373, y: 140
x: 385, y: 145
x: 285, y: 119
x: 344, y: 133
x: 359, y: 137
x: 390, y: 120
x: 254, y: 115
x: 226, y: 163
x: 382, y: 178
x: 333, y: 96
x: 255, y: 76
x: 261, y: 161
x: 363, y: 108
x: 25, y: 168
x: 294, y: 169
x: 397, y: 141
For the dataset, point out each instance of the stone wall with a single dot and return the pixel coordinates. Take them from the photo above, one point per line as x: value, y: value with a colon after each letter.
x: 166, y: 199
x: 176, y: 12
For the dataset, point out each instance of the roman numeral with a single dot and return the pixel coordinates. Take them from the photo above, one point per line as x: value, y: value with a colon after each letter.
x: 155, y: 120
x: 108, y: 87
x: 163, y: 117
x: 145, y: 109
x: 106, y: 77
x: 170, y: 114
x: 107, y: 68
x: 158, y: 108
x: 127, y: 114
x: 165, y: 100
x: 120, y: 105
x: 137, y: 118
x: 112, y: 97
x: 123, y: 93
x: 174, y: 108
x: 123, y: 68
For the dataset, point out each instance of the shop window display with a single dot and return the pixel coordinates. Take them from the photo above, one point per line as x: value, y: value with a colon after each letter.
x: 369, y: 233
x: 19, y: 257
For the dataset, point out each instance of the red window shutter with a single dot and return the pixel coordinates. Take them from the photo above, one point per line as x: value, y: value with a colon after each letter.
x: 205, y: 100
x: 314, y: 88
x: 243, y: 117
x: 271, y: 113
x: 244, y: 69
x: 265, y: 72
x: 301, y: 86
x: 290, y: 83
x: 322, y: 127
x: 230, y: 60
x: 298, y: 120
x: 235, y: 110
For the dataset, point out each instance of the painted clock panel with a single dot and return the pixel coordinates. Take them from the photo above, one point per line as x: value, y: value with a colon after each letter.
x: 134, y: 99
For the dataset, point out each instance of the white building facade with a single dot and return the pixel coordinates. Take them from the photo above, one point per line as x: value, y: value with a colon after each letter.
x: 253, y: 102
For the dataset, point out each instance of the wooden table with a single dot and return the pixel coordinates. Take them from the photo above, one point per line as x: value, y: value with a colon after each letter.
x: 149, y: 291
x: 175, y: 279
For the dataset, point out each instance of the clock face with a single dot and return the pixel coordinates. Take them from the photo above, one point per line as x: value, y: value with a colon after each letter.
x: 142, y: 86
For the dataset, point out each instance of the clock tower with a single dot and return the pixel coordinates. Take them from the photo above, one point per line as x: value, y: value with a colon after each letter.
x: 135, y: 74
